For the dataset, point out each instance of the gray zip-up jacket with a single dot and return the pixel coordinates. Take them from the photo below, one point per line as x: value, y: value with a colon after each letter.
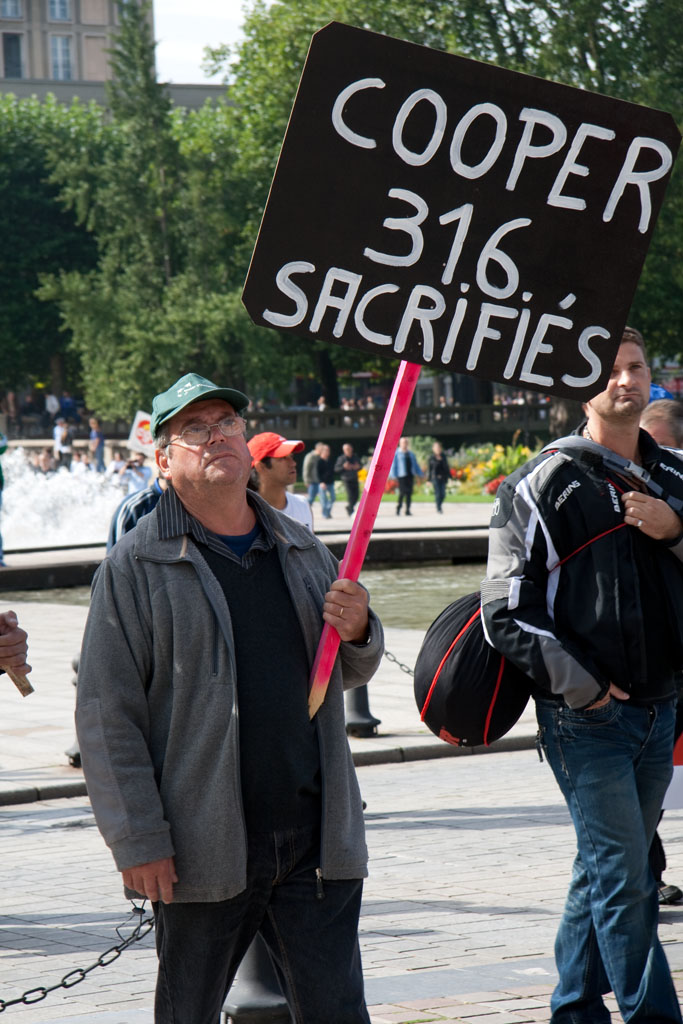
x: 157, y: 715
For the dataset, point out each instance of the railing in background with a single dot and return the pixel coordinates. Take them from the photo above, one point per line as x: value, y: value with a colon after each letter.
x: 454, y: 424
x: 460, y: 423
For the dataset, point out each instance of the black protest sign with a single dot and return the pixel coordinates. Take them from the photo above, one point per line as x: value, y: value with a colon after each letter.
x: 452, y: 213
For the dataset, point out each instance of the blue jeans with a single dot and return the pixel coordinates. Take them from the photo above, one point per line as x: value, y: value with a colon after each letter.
x: 312, y: 941
x: 313, y: 492
x: 613, y: 766
x: 327, y: 500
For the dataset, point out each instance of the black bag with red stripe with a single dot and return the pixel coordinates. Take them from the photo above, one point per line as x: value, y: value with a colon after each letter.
x: 467, y: 693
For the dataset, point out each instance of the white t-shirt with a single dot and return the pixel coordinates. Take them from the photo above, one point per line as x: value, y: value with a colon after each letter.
x: 298, y: 508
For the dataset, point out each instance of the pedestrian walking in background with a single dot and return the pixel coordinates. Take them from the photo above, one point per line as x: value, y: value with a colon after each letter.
x: 308, y: 471
x: 275, y: 471
x: 404, y: 469
x: 439, y: 473
x: 348, y: 465
x: 324, y: 469
x: 96, y: 444
x: 584, y: 590
x: 222, y: 802
x: 62, y: 443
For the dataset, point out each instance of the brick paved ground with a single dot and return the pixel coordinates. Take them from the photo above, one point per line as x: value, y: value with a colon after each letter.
x: 469, y: 865
x: 470, y: 858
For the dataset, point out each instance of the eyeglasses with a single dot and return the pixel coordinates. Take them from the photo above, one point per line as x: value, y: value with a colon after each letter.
x: 200, y: 433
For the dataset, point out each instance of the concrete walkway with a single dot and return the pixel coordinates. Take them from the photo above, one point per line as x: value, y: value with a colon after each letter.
x: 470, y: 859
x: 37, y: 730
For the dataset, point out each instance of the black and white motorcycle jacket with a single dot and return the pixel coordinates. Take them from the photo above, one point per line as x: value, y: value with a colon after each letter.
x: 562, y: 598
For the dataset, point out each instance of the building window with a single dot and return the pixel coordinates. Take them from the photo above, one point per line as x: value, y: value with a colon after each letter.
x: 60, y: 10
x: 10, y: 8
x: 60, y: 51
x: 11, y: 55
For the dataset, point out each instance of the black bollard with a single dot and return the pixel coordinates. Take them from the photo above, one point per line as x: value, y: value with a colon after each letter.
x: 255, y: 996
x: 359, y: 721
x: 74, y: 753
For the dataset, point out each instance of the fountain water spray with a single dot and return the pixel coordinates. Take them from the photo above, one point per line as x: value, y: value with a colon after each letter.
x: 57, y: 509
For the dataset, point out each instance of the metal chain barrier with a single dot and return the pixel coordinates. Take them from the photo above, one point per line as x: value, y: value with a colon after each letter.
x: 403, y: 667
x: 36, y: 995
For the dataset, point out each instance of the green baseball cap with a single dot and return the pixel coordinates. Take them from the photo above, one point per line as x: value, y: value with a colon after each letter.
x: 189, y: 389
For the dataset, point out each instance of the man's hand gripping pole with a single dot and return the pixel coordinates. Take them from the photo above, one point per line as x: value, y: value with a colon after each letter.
x: 354, y: 556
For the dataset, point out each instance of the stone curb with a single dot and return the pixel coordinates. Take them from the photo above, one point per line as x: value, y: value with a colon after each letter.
x: 438, y: 749
x: 48, y: 791
x: 361, y: 758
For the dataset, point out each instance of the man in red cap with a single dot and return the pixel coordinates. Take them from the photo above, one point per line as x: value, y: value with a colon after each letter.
x: 275, y: 470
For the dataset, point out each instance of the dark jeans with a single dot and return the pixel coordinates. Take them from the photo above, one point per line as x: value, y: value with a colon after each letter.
x: 351, y: 494
x: 613, y: 765
x: 439, y: 492
x: 405, y: 491
x: 313, y: 942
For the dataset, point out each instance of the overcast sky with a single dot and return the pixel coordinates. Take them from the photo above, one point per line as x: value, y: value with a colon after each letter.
x: 182, y: 31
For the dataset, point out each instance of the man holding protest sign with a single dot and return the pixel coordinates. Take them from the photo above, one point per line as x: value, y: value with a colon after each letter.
x: 486, y: 222
x: 583, y: 592
x: 221, y: 800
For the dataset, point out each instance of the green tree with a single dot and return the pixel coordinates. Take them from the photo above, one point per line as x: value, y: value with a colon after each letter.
x: 658, y: 305
x: 120, y: 184
x: 153, y: 186
x: 36, y: 236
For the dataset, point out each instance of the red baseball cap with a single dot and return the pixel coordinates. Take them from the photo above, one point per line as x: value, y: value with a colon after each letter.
x: 275, y: 445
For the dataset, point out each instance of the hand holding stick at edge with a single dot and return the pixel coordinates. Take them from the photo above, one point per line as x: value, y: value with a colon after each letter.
x: 13, y: 651
x: 359, y: 538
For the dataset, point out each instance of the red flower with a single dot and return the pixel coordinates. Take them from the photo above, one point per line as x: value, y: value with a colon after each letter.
x: 492, y: 486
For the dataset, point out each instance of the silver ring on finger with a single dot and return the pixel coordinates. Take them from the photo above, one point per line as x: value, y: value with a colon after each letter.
x: 640, y: 523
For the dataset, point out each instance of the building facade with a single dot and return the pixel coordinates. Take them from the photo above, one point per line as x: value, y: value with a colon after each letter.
x: 55, y: 41
x: 60, y: 47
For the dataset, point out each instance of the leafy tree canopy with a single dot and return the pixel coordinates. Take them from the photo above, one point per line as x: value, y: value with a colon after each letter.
x: 36, y: 233
x: 140, y: 220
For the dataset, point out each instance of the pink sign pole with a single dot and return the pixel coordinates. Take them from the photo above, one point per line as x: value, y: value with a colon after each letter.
x: 352, y: 562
